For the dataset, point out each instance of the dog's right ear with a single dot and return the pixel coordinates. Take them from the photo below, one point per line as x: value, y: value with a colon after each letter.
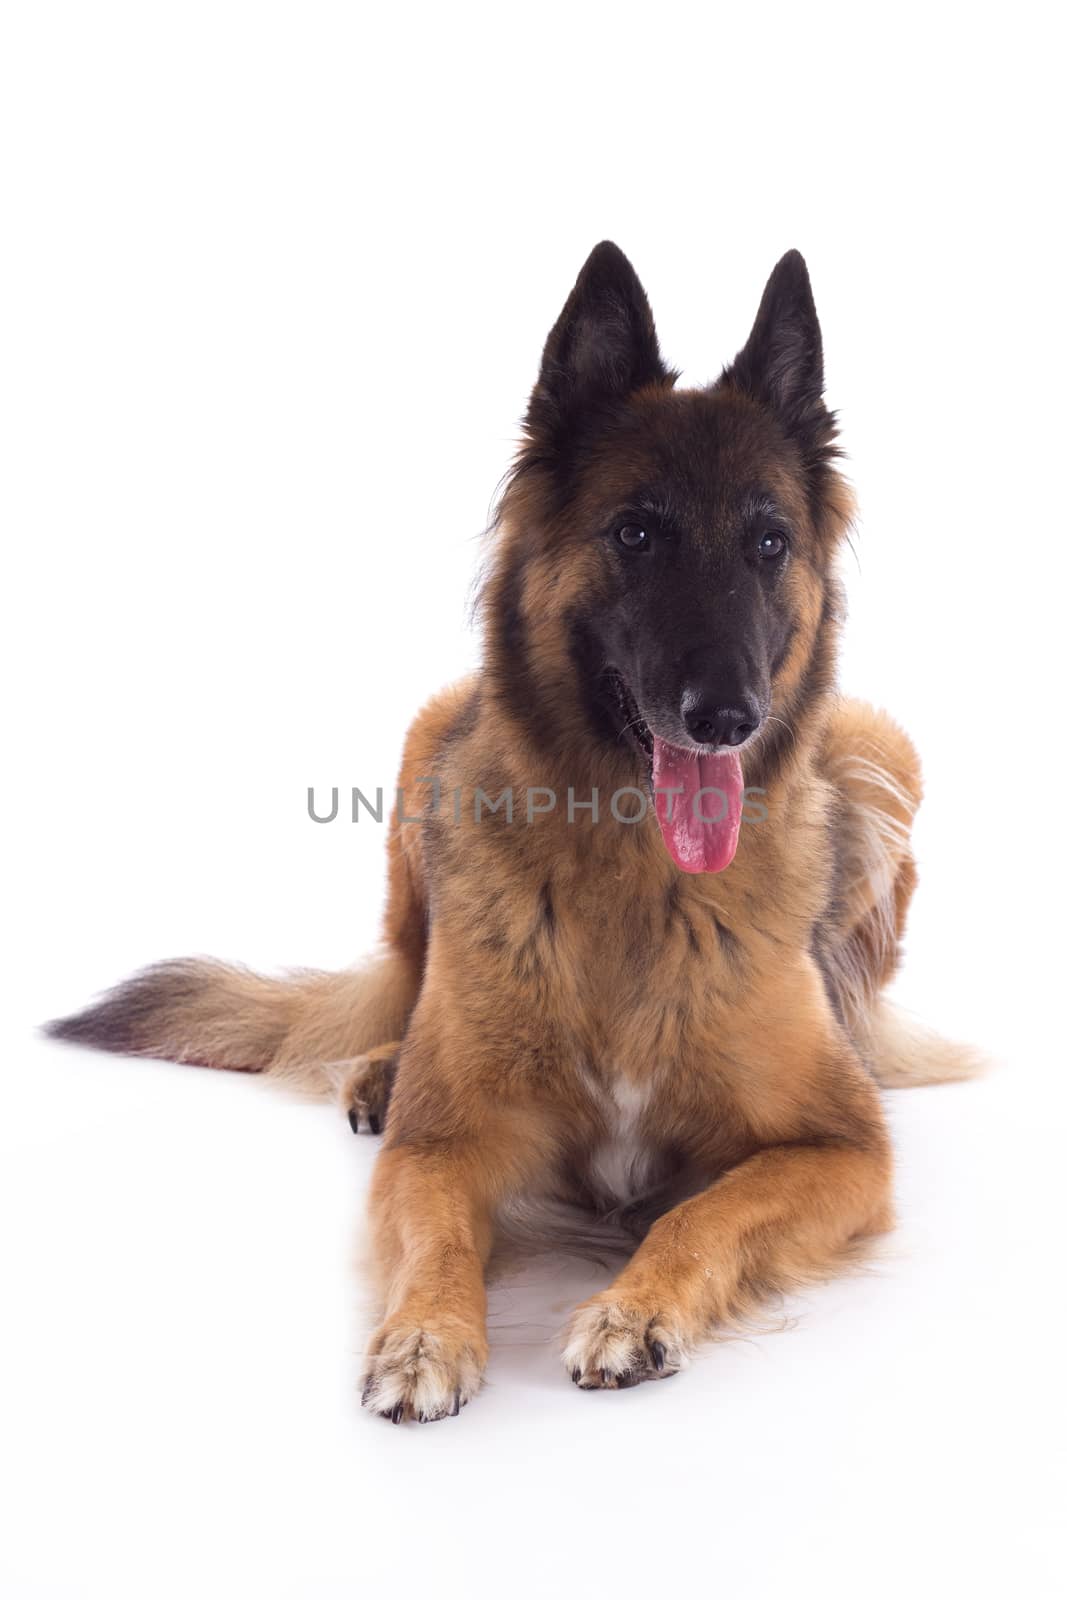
x: 602, y: 348
x: 781, y: 364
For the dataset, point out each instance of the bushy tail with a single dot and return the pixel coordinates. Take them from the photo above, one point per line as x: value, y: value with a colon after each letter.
x: 300, y: 1028
x: 904, y: 1052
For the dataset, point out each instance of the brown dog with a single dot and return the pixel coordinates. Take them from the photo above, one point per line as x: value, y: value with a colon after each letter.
x: 647, y: 880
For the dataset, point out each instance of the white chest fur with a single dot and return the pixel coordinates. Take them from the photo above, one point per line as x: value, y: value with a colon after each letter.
x: 619, y: 1165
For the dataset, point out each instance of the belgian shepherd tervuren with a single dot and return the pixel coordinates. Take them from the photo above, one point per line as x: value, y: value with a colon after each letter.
x: 638, y: 929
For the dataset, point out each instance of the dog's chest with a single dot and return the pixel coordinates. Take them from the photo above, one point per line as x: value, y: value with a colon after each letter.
x: 621, y: 1158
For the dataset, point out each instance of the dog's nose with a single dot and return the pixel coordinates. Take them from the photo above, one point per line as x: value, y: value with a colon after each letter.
x: 709, y: 722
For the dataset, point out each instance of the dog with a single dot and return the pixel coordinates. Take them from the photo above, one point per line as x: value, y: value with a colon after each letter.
x: 648, y: 879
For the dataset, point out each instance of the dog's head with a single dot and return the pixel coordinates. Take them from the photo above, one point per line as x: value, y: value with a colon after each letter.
x: 668, y: 552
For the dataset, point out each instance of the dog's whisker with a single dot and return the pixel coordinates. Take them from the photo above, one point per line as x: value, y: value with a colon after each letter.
x: 783, y: 724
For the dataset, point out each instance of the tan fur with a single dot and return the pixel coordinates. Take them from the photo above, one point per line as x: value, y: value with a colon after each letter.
x: 800, y: 1141
x: 512, y: 1037
x: 560, y: 1019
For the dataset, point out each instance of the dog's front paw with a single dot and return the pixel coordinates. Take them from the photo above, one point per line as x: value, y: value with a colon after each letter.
x: 613, y: 1344
x: 366, y: 1087
x: 422, y: 1373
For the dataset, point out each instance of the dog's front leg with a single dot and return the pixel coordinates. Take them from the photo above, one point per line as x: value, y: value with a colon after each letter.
x: 786, y: 1214
x: 432, y: 1205
x: 431, y: 1209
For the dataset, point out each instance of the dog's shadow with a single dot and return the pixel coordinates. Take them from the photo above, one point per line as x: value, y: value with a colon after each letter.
x: 530, y: 1304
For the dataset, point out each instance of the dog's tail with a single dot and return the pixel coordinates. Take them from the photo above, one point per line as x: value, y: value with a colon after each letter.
x: 904, y: 1053
x: 300, y: 1029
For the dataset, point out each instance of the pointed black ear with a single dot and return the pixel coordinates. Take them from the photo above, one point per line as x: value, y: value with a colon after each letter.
x: 782, y: 362
x: 602, y: 348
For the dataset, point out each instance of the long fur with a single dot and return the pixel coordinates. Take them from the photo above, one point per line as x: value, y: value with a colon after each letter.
x: 565, y: 1036
x: 301, y: 1030
x: 306, y: 1029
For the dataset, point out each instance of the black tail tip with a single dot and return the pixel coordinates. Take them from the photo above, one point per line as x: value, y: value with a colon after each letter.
x: 102, y: 1027
x: 133, y: 1018
x: 59, y: 1028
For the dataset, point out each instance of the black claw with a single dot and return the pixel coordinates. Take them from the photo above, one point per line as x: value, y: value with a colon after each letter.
x: 576, y: 1374
x: 397, y: 1413
x: 627, y: 1380
x: 353, y: 1120
x: 456, y: 1403
x: 659, y: 1356
x: 375, y: 1123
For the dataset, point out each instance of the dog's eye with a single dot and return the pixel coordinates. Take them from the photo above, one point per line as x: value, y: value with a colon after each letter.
x: 771, y: 545
x: 631, y: 537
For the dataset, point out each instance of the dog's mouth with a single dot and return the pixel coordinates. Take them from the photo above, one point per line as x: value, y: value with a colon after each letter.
x: 697, y: 794
x: 632, y: 725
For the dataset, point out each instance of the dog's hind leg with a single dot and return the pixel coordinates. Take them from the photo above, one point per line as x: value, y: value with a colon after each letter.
x: 874, y: 773
x: 366, y: 1086
x: 874, y: 769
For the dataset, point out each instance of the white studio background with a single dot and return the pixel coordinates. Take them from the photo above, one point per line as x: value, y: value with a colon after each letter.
x: 275, y: 280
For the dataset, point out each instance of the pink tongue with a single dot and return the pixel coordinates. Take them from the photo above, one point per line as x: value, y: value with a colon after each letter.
x: 700, y: 814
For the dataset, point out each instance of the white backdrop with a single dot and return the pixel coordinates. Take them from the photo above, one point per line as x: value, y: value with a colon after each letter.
x: 275, y: 282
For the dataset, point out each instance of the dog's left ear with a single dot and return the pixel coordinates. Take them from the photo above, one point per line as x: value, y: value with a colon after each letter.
x: 601, y: 349
x: 781, y: 364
